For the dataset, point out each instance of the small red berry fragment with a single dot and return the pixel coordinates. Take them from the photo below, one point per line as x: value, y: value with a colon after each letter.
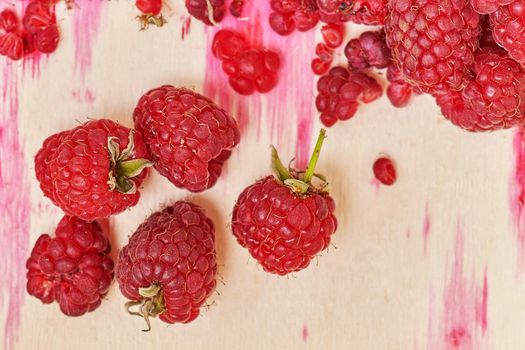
x: 236, y: 7
x: 188, y: 135
x: 385, y: 171
x: 333, y: 34
x: 46, y: 41
x: 8, y: 21
x: 248, y: 69
x: 369, y: 50
x: 168, y: 267
x: 291, y: 15
x: 73, y: 268
x: 38, y: 16
x: 399, y: 92
x: 340, y: 91
x: 152, y: 7
x: 325, y: 55
x: 12, y: 46
x: 210, y: 12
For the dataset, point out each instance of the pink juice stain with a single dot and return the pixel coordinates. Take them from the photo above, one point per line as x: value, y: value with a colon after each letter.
x: 290, y: 105
x: 517, y: 196
x: 305, y: 333
x: 464, y: 319
x: 15, y: 204
x: 426, y: 229
x: 86, y: 23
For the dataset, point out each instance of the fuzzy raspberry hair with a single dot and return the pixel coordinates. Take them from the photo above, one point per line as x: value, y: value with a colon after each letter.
x: 94, y: 170
x: 284, y: 221
x: 73, y: 268
x: 169, y: 264
x: 189, y: 136
x: 433, y: 42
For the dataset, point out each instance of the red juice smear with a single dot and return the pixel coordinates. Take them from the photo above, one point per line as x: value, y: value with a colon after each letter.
x: 16, y: 206
x: 517, y: 196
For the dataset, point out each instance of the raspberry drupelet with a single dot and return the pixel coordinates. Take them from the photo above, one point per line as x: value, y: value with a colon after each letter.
x: 210, y: 12
x: 286, y: 220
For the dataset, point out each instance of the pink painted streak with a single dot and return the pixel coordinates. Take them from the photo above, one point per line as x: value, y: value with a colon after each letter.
x: 517, y: 196
x: 305, y: 333
x: 464, y: 317
x: 86, y: 22
x: 290, y: 105
x: 426, y: 228
x: 16, y: 207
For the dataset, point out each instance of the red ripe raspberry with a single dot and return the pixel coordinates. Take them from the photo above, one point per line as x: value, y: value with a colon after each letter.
x: 508, y: 24
x: 94, y: 170
x: 385, y: 171
x: 433, y: 42
x: 73, y: 268
x: 399, y: 92
x: 46, y: 40
x: 340, y: 92
x: 210, y: 12
x: 291, y: 15
x: 488, y: 6
x: 8, y: 21
x: 333, y: 34
x: 369, y: 50
x: 12, y: 46
x: 39, y: 15
x: 188, y: 135
x: 285, y: 221
x: 169, y: 264
x: 498, y: 91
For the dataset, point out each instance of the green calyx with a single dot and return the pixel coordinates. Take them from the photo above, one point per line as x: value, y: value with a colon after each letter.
x: 300, y: 182
x: 151, y: 306
x: 123, y: 169
x: 150, y: 19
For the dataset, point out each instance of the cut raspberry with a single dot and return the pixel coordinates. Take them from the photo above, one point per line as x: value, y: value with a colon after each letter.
x: 210, y: 12
x: 8, y: 21
x: 508, y: 24
x: 432, y: 50
x: 369, y: 50
x: 241, y: 85
x: 324, y: 53
x: 282, y: 23
x: 333, y: 34
x: 385, y: 171
x: 12, y: 46
x: 46, y: 41
x: 341, y: 90
x: 227, y: 44
x: 319, y: 66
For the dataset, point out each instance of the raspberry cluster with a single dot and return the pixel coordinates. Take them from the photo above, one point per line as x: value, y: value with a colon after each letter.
x: 341, y: 90
x: 369, y: 50
x: 291, y: 15
x: 249, y: 69
x: 37, y: 31
x: 333, y: 36
x: 73, y: 268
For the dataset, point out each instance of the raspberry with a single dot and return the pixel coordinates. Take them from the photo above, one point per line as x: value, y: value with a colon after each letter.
x: 333, y: 34
x: 488, y: 6
x: 12, y: 46
x: 433, y: 42
x: 94, y: 170
x: 169, y: 264
x: 46, y: 40
x: 341, y: 90
x: 236, y: 7
x: 508, y: 23
x: 152, y: 7
x: 385, y: 171
x: 73, y: 268
x: 189, y: 136
x: 369, y: 50
x: 284, y: 221
x: 8, y: 21
x: 210, y: 12
x: 497, y: 93
x: 291, y: 15
x: 399, y: 92
x: 371, y: 12
x: 39, y: 15
x: 249, y: 69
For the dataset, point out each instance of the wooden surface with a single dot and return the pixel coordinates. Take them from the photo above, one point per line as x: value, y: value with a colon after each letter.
x: 432, y: 262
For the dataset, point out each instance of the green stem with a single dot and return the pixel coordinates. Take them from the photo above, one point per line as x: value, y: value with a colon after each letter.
x: 315, y: 157
x: 278, y: 166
